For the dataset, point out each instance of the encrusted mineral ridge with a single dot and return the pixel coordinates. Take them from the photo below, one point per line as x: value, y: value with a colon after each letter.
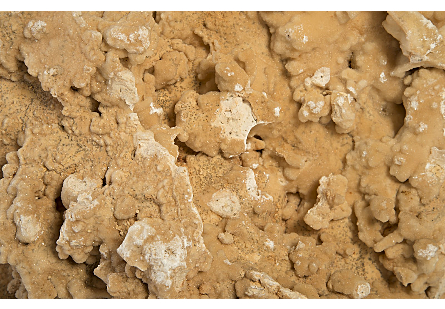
x: 222, y: 155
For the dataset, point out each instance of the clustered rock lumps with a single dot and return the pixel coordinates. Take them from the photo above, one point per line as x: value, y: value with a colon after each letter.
x: 414, y: 154
x: 331, y: 203
x: 260, y: 285
x: 420, y: 40
x: 222, y: 154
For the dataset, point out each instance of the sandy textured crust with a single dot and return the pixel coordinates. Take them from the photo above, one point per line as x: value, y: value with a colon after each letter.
x: 222, y: 155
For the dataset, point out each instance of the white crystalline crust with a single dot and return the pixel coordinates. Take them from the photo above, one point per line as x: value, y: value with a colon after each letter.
x: 123, y: 85
x: 260, y: 285
x: 28, y: 228
x: 147, y: 246
x: 133, y: 39
x: 35, y: 29
x: 330, y: 203
x: 162, y: 258
x: 321, y: 77
x: 225, y: 203
x: 429, y: 252
x: 73, y: 187
x: 252, y: 187
x: 363, y: 290
x: 343, y: 112
x: 235, y: 118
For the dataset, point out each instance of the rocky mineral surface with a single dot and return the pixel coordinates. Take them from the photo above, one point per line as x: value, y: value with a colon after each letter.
x: 222, y: 154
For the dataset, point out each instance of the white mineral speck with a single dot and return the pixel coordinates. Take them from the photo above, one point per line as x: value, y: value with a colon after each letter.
x: 382, y: 77
x: 363, y: 290
x: 276, y: 111
x: 429, y: 252
x: 321, y: 77
x: 238, y: 87
x: 422, y: 127
x: 154, y: 110
x: 269, y: 243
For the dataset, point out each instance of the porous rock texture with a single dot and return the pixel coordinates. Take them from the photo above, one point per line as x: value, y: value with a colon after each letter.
x: 222, y: 155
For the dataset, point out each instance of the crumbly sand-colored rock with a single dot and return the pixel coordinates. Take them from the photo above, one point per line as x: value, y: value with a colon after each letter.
x: 222, y: 155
